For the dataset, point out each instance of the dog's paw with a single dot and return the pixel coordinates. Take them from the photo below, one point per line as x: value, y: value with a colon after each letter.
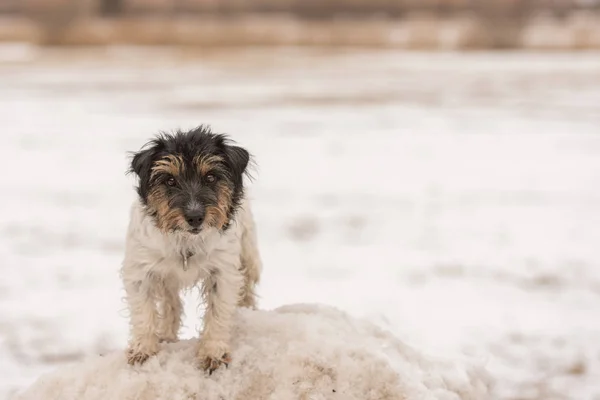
x: 210, y: 364
x: 211, y: 355
x: 138, y: 357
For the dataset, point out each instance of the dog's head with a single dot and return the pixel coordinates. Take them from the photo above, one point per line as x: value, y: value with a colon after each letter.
x: 192, y: 180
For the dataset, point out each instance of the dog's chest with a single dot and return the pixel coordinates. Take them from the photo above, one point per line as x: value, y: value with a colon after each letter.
x: 188, y: 262
x: 187, y: 267
x: 191, y: 261
x: 185, y: 258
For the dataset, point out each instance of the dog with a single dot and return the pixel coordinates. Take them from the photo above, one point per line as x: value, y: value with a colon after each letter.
x: 191, y: 223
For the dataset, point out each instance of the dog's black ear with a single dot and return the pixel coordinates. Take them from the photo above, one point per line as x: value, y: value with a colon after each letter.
x: 238, y: 158
x: 141, y: 165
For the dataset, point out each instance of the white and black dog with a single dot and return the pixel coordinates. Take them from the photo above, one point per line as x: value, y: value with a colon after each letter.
x: 191, y: 223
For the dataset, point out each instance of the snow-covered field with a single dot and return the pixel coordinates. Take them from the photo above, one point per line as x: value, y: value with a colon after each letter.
x: 454, y: 199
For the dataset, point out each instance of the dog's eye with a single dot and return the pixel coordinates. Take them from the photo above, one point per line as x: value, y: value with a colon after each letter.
x: 210, y: 178
x: 171, y: 181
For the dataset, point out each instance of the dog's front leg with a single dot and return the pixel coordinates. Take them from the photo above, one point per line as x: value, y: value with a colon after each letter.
x: 220, y: 291
x: 171, y: 309
x: 143, y: 321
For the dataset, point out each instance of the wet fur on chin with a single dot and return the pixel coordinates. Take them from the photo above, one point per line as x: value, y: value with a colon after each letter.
x: 191, y: 223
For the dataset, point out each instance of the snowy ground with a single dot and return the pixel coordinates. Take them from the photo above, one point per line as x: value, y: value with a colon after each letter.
x: 454, y: 199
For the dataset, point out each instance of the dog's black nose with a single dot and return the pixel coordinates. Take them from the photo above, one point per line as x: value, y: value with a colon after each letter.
x: 194, y: 218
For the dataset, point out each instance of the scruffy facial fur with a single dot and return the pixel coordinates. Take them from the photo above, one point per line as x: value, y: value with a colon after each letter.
x: 191, y: 224
x: 191, y: 176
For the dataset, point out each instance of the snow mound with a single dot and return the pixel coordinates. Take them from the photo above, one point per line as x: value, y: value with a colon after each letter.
x: 294, y: 352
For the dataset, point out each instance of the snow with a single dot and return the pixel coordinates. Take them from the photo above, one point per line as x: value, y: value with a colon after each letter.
x: 296, y: 351
x: 452, y: 199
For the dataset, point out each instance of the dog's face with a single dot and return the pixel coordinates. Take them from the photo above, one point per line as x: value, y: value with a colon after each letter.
x: 192, y: 180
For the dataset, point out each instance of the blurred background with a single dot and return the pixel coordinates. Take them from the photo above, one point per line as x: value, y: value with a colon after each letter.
x: 433, y: 166
x: 417, y: 24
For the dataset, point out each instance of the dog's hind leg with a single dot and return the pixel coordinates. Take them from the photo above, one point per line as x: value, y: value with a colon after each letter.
x: 251, y: 263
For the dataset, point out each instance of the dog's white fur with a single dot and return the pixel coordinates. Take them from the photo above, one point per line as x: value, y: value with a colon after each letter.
x: 227, y: 263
